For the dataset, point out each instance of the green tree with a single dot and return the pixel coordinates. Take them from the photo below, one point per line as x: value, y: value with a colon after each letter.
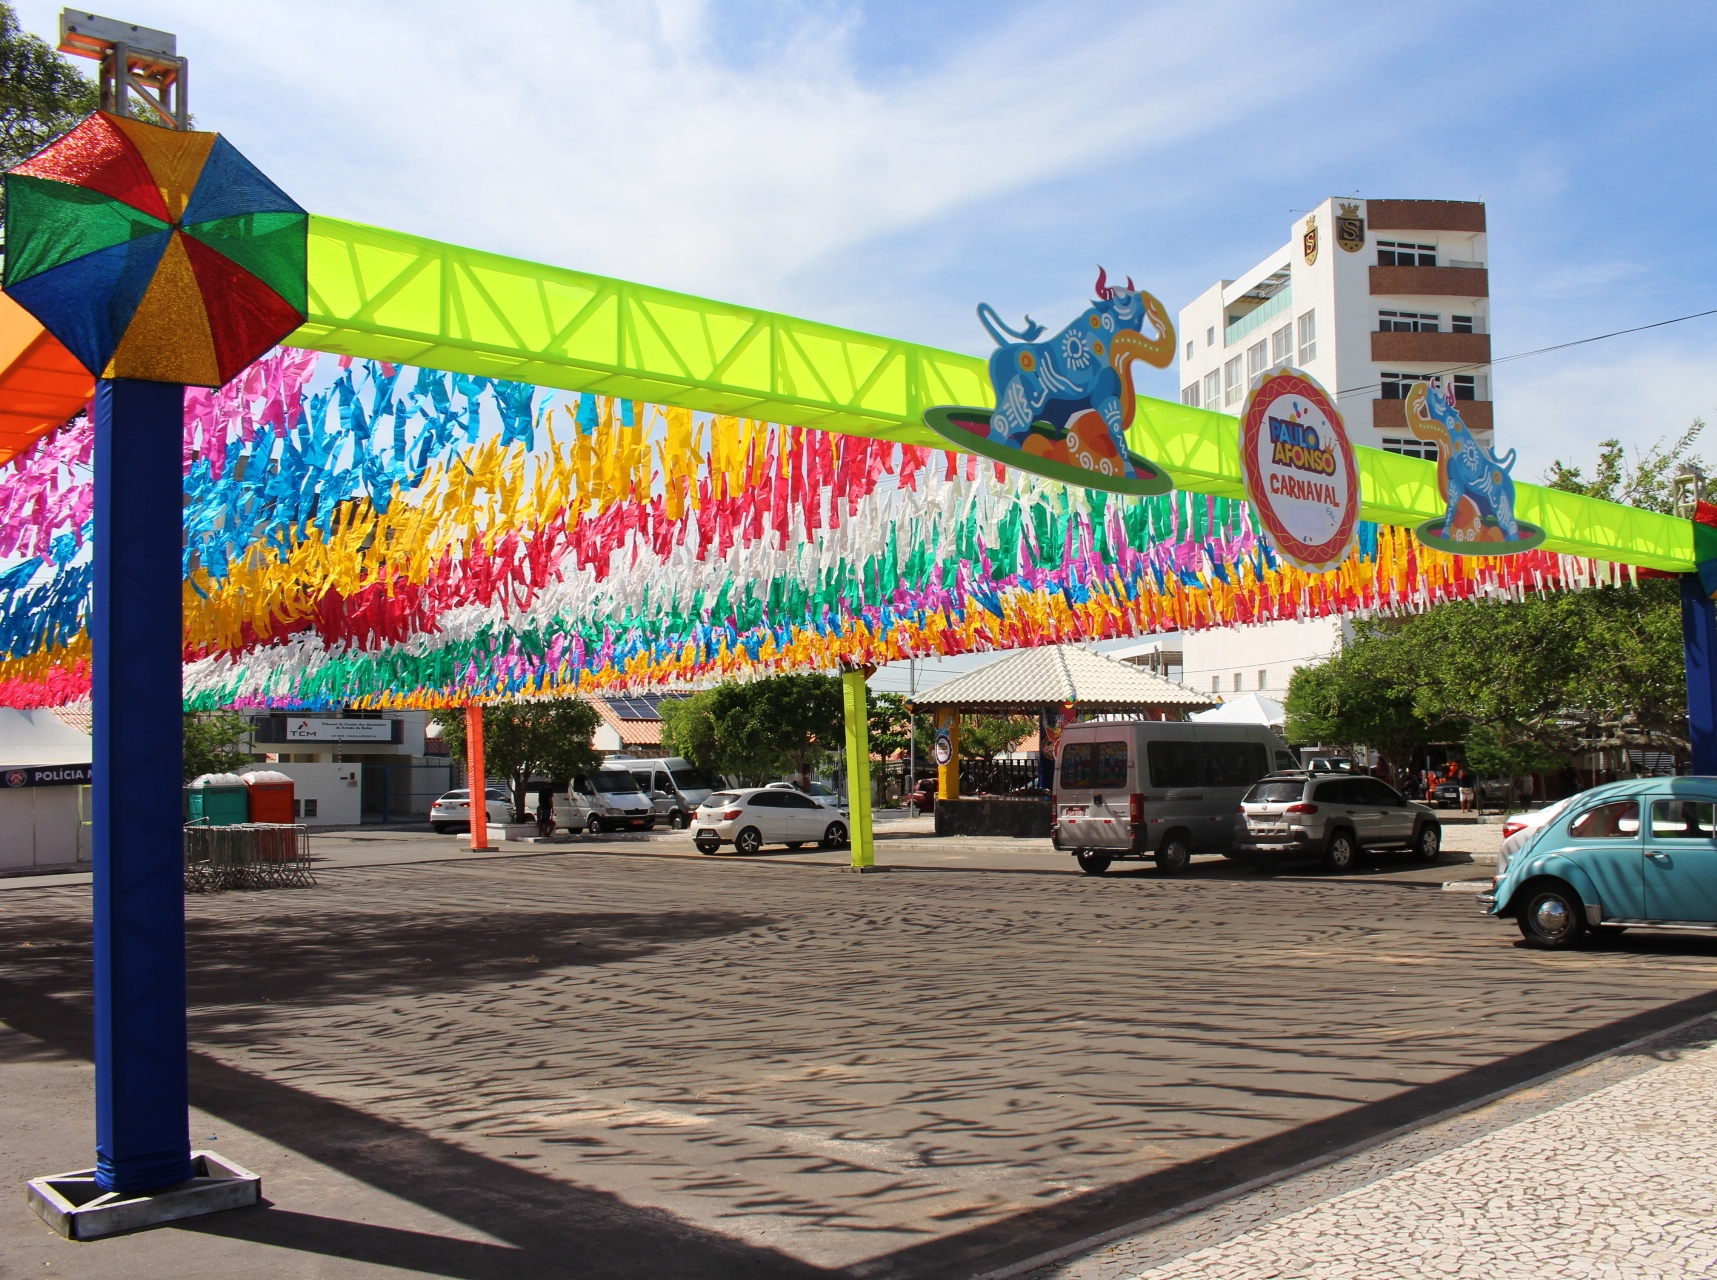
x: 1490, y: 754
x: 890, y: 724
x: 41, y: 93
x: 1363, y: 696
x: 986, y: 737
x: 688, y: 729
x: 1646, y: 482
x: 523, y: 739
x: 784, y: 724
x: 211, y: 741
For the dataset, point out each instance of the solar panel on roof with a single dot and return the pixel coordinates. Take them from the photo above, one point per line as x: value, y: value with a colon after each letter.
x: 644, y: 706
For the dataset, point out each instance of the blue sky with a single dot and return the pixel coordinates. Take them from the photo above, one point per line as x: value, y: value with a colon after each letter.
x: 888, y: 166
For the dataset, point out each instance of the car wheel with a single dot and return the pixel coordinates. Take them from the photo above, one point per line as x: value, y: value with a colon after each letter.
x: 707, y: 847
x: 1174, y: 857
x: 1552, y: 918
x: 1093, y: 864
x: 441, y: 828
x: 1341, y: 853
x: 748, y: 841
x: 1428, y: 843
x: 834, y: 836
x: 678, y: 821
x: 596, y: 826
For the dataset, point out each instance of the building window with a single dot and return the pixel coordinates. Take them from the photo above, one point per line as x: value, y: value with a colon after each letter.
x: 1189, y: 348
x: 1465, y: 387
x: 1460, y: 324
x: 1413, y: 448
x: 1282, y: 345
x: 1263, y: 681
x: 1407, y: 322
x: 1231, y: 381
x: 1396, y: 385
x: 1391, y: 253
x: 1212, y: 389
x: 1308, y: 338
x: 1216, y: 684
x: 1189, y: 395
x: 304, y: 808
x: 1210, y: 336
x: 1236, y: 682
x: 1257, y: 359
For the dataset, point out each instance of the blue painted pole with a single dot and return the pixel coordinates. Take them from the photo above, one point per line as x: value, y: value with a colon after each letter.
x: 142, y: 1126
x: 1699, y: 642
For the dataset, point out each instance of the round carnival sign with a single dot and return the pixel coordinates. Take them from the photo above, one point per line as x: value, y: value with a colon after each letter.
x: 1300, y: 471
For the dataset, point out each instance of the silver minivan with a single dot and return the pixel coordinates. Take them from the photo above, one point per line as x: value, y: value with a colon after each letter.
x: 675, y: 786
x: 1159, y: 789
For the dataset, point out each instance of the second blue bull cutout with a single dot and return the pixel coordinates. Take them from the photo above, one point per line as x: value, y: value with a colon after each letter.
x: 1063, y: 404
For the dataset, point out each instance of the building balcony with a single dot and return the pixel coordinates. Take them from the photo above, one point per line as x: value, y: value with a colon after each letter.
x: 1442, y: 282
x: 1430, y: 348
x: 1390, y: 416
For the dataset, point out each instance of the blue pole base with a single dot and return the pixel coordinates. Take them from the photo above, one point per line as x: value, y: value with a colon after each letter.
x: 142, y: 1123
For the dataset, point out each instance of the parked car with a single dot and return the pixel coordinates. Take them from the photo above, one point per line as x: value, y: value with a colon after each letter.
x: 675, y: 787
x: 1640, y: 852
x: 816, y: 790
x: 607, y: 800
x: 452, y: 812
x: 923, y: 797
x: 1155, y: 789
x: 1305, y: 814
x: 751, y: 818
x: 1520, y: 828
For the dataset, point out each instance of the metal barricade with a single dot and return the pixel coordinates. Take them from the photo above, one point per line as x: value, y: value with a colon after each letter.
x: 248, y: 855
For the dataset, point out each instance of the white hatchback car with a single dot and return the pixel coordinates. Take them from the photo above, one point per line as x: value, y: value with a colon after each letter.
x: 757, y: 816
x: 453, y: 811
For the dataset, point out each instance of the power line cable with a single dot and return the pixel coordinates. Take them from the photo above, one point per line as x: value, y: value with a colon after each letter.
x: 1521, y: 355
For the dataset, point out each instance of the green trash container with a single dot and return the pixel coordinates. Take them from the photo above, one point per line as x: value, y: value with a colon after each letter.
x: 215, y: 802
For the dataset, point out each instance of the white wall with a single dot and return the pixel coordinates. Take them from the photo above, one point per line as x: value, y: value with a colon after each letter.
x: 334, y: 787
x: 43, y: 827
x: 1275, y: 648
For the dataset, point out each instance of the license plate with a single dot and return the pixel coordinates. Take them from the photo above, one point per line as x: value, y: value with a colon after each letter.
x: 709, y: 834
x: 1073, y: 811
x: 1265, y: 828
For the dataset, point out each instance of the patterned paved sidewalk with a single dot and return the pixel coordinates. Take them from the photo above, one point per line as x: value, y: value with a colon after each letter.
x: 1610, y: 1171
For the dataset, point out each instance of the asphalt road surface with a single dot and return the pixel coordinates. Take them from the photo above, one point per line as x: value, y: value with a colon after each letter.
x: 591, y: 1063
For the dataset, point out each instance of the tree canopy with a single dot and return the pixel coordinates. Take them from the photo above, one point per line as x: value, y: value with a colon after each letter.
x: 1645, y: 481
x: 211, y: 742
x: 524, y: 739
x: 41, y: 93
x: 1528, y: 682
x: 761, y: 728
x: 986, y: 737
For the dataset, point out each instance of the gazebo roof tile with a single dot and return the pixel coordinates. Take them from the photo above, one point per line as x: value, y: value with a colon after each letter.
x: 1056, y: 674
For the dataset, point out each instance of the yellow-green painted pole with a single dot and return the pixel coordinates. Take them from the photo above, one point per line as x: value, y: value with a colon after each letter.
x: 858, y: 770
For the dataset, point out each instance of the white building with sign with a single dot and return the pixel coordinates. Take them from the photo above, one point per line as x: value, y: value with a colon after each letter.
x: 354, y: 766
x: 1367, y: 296
x: 44, y: 792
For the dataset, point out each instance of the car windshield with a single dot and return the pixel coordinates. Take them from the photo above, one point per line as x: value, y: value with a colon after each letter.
x: 1279, y: 792
x: 693, y: 779
x: 719, y: 799
x: 457, y: 795
x: 818, y: 789
x: 612, y: 780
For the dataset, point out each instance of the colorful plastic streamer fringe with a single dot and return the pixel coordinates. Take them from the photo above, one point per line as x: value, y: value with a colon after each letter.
x: 403, y: 537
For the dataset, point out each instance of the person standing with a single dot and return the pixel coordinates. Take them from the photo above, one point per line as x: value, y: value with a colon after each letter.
x: 1464, y: 780
x: 545, y: 814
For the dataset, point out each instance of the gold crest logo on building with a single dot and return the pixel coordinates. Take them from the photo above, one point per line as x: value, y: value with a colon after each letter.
x: 1350, y: 228
x: 1309, y: 241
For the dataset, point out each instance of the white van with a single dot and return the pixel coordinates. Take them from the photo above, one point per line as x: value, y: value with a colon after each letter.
x: 1159, y: 789
x: 607, y: 800
x: 675, y: 786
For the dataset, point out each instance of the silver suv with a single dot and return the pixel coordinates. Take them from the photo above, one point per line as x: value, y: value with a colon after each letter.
x: 1336, y: 818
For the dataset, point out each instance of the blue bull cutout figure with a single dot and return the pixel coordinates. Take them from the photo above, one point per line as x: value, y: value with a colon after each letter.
x: 1063, y: 404
x: 1476, y: 484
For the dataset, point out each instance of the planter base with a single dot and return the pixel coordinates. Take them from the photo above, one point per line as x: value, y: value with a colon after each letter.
x: 74, y: 1206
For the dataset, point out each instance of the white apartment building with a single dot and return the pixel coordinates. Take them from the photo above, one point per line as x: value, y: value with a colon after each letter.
x: 1367, y: 296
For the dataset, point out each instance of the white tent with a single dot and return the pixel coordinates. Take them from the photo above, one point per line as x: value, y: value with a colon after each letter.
x: 44, y: 774
x: 1248, y: 708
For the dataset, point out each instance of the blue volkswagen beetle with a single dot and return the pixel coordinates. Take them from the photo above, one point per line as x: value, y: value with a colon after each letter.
x: 1642, y: 852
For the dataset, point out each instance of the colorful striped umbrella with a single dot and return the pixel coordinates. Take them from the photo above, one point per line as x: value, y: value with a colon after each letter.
x: 154, y: 254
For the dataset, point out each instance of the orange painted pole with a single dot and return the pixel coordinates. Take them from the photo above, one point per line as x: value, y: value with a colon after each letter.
x: 477, y: 780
